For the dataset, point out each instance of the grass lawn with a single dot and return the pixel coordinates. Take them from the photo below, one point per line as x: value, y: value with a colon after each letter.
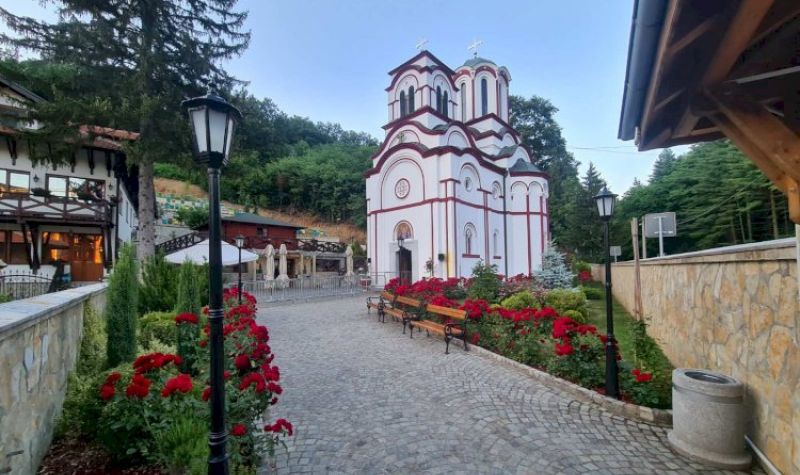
x: 624, y: 332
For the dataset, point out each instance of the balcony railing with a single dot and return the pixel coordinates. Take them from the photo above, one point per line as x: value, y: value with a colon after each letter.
x: 27, y: 206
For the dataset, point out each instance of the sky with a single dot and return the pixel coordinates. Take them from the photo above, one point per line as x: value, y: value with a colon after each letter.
x: 328, y: 60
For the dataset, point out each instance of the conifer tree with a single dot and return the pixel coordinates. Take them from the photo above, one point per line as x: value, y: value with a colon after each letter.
x: 554, y: 273
x: 121, y: 309
x: 143, y: 58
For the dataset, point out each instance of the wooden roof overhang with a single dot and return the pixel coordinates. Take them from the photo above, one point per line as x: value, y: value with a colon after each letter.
x: 703, y: 70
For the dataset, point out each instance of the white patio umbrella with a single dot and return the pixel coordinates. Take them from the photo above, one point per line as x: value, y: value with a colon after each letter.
x: 198, y: 254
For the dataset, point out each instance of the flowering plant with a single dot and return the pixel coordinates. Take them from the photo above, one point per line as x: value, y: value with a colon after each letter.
x: 152, y: 394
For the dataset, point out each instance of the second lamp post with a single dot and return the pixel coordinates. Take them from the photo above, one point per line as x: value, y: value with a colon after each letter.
x: 605, y: 207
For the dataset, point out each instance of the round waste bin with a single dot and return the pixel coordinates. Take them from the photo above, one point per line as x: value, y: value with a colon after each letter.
x: 708, y: 418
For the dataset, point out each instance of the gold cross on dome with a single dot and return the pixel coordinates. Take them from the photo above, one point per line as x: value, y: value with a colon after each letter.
x: 474, y: 46
x: 421, y: 43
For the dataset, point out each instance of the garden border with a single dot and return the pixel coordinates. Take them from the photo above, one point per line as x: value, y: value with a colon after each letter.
x: 616, y: 407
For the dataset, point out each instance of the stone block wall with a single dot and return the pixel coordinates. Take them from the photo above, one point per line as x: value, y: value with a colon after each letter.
x: 39, y: 343
x: 733, y: 310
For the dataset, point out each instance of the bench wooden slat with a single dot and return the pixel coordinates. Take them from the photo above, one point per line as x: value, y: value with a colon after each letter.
x: 387, y: 296
x: 447, y: 312
x: 407, y: 301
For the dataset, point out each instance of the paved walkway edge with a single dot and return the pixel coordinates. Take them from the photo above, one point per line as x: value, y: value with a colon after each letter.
x: 619, y: 408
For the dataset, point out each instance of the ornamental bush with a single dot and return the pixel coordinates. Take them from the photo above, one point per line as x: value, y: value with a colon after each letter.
x: 121, y: 309
x: 593, y: 293
x: 159, y: 285
x: 520, y: 300
x: 145, y: 404
x: 562, y: 300
x: 157, y: 326
x: 485, y: 283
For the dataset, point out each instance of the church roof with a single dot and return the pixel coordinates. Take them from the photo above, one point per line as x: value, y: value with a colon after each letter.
x: 521, y: 166
x: 472, y: 62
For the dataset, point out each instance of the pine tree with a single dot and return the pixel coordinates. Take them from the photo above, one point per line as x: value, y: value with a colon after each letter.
x: 143, y: 58
x: 121, y: 309
x: 664, y: 165
x: 188, y: 301
x: 554, y: 273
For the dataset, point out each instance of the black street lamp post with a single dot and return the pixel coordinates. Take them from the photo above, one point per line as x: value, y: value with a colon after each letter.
x: 240, y: 245
x: 213, y: 121
x: 605, y: 207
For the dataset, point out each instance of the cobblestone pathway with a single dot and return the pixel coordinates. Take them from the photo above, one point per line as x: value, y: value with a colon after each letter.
x: 366, y: 399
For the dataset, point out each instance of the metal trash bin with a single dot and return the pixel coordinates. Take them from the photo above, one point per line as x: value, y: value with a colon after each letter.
x: 709, y: 418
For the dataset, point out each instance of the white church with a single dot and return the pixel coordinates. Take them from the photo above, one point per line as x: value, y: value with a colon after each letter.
x: 451, y: 185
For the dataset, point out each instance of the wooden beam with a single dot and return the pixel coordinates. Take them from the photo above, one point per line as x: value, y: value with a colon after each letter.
x: 737, y: 37
x: 663, y: 102
x: 793, y: 194
x: 673, y: 10
x: 692, y: 35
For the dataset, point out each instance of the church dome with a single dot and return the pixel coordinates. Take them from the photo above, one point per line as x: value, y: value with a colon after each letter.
x: 476, y: 61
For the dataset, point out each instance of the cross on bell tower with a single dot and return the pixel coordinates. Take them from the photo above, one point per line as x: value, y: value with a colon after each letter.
x: 474, y: 47
x: 421, y: 43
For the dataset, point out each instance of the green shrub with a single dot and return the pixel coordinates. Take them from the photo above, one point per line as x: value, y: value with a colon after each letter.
x: 562, y: 300
x: 5, y: 298
x: 575, y: 315
x: 520, y: 300
x: 157, y: 326
x: 159, y: 285
x: 82, y: 405
x: 455, y: 293
x: 92, y: 355
x: 183, y: 446
x: 188, y: 293
x: 121, y: 309
x: 593, y: 293
x: 485, y: 284
x: 171, y: 171
x: 581, y: 266
x: 192, y: 217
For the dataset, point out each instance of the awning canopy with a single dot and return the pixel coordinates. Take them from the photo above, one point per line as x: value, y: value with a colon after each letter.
x: 703, y: 70
x: 198, y: 254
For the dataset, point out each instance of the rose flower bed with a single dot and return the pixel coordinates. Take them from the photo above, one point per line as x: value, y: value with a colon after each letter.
x: 524, y: 328
x: 157, y: 408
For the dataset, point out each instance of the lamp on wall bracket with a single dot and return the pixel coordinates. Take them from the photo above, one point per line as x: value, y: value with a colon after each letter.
x: 36, y: 178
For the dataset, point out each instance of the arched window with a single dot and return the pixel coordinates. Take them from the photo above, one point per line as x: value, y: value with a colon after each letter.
x: 403, y: 104
x: 469, y: 234
x: 484, y: 96
x: 463, y: 102
x: 438, y: 99
x: 403, y: 230
x: 445, y: 104
x: 411, y: 99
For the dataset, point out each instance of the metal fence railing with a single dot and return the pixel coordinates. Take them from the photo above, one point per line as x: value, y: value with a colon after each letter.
x: 303, y: 288
x: 22, y: 285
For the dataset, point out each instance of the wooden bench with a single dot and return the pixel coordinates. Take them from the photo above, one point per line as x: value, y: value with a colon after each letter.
x: 449, y: 330
x: 386, y: 304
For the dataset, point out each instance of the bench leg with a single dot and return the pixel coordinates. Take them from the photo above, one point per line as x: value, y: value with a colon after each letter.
x: 446, y: 345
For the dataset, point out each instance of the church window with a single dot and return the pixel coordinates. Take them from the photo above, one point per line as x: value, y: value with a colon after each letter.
x: 438, y: 99
x: 468, y: 184
x: 463, y: 102
x: 496, y: 190
x: 401, y: 188
x: 469, y: 234
x: 484, y: 96
x: 445, y: 104
x: 403, y: 230
x: 411, y: 99
x: 403, y: 109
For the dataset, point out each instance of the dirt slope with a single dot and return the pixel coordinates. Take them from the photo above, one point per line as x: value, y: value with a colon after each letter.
x: 345, y: 232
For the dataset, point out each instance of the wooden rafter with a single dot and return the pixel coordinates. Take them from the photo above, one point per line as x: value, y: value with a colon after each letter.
x: 772, y: 146
x: 692, y: 35
x: 736, y: 39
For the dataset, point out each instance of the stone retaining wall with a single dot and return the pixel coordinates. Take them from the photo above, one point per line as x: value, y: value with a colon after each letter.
x: 732, y: 310
x: 39, y: 343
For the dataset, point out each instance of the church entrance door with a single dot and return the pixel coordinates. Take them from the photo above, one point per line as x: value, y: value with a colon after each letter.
x: 404, y: 264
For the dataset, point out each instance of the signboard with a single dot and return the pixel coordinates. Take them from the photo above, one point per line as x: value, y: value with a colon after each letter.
x: 668, y: 225
x: 616, y: 251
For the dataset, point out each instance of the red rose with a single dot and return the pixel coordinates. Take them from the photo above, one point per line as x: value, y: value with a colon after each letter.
x: 181, y: 383
x: 207, y: 393
x: 107, y: 392
x: 564, y: 349
x: 113, y: 377
x: 279, y: 426
x: 242, y: 362
x: 239, y: 430
x: 139, y: 387
x: 186, y: 317
x: 644, y: 377
x: 203, y: 343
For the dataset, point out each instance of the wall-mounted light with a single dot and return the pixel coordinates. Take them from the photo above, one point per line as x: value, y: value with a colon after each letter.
x: 110, y: 186
x: 36, y: 178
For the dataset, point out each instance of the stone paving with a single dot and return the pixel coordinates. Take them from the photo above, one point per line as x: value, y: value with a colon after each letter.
x: 364, y: 398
